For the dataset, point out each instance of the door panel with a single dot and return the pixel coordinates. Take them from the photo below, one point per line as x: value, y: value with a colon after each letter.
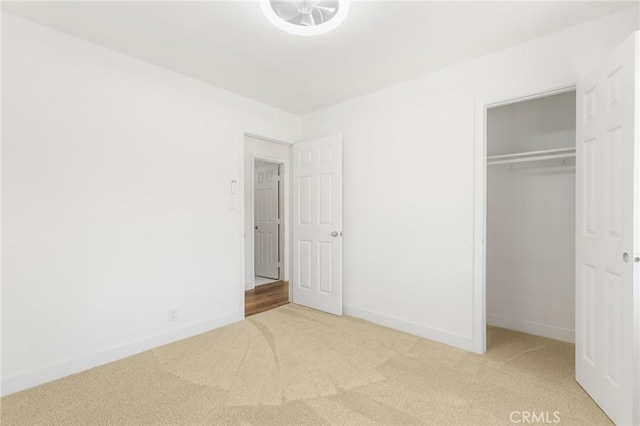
x: 317, y: 224
x: 267, y: 221
x: 607, y: 319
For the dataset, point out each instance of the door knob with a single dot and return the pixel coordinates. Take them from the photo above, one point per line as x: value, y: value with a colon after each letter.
x: 335, y: 234
x: 625, y: 257
x: 256, y: 227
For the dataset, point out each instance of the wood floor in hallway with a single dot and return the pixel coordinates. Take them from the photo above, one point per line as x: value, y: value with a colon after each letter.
x: 266, y: 297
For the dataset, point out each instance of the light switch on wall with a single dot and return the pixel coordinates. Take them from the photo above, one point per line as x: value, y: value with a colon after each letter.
x: 233, y: 202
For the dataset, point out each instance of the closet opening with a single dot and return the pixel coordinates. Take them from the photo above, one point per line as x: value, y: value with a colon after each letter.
x: 530, y: 218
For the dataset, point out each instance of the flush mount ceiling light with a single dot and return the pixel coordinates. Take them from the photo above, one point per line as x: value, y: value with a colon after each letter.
x: 306, y: 17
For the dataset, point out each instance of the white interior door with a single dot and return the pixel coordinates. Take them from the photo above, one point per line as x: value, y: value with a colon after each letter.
x: 317, y: 224
x: 267, y: 221
x: 607, y: 220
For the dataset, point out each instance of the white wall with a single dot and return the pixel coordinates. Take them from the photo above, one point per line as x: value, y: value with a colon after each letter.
x: 277, y: 153
x: 531, y: 219
x: 116, y: 203
x: 409, y: 178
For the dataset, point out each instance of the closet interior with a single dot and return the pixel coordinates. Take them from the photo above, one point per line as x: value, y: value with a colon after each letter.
x: 530, y: 229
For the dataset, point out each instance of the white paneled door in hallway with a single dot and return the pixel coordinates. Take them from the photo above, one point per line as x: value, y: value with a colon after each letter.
x: 607, y: 241
x: 267, y: 220
x: 317, y: 224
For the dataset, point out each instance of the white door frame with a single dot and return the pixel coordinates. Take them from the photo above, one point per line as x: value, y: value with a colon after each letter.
x: 479, y: 338
x: 285, y: 170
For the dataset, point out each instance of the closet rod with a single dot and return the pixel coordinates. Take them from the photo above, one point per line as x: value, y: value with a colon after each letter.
x: 522, y: 157
x: 524, y: 160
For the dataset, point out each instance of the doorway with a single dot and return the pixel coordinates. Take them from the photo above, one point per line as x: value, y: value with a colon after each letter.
x: 483, y: 106
x: 315, y: 177
x: 530, y: 217
x: 266, y: 225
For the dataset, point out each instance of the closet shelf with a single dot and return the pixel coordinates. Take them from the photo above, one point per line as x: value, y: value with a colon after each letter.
x: 521, y: 157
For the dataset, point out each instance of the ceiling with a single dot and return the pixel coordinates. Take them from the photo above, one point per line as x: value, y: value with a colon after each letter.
x: 230, y: 44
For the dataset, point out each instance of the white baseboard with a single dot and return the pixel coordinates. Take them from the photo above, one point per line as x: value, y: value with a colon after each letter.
x: 432, y: 333
x: 57, y: 371
x: 537, y: 329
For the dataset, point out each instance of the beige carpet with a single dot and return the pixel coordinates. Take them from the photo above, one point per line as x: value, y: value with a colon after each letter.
x: 296, y: 366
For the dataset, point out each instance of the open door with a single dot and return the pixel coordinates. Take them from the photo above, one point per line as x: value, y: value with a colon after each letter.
x: 317, y: 224
x: 607, y: 241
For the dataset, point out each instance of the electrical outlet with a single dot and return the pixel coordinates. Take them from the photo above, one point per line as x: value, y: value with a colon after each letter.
x: 173, y: 314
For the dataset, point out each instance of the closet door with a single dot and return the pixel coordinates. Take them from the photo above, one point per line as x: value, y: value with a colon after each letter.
x: 607, y: 242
